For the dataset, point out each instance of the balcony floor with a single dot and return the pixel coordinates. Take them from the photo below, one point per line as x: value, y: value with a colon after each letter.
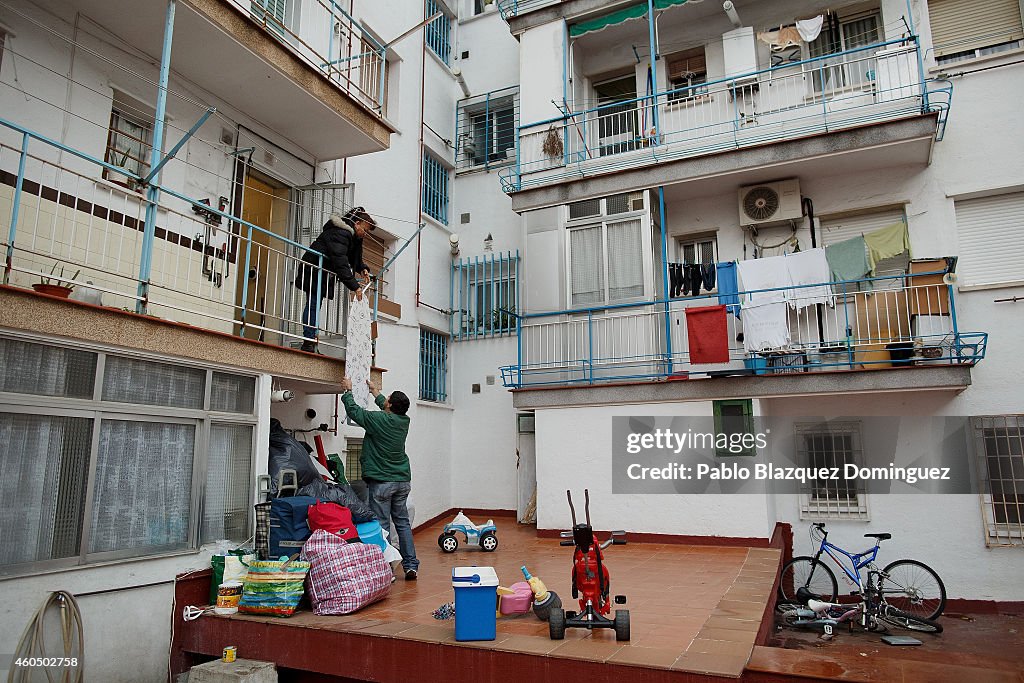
x: 694, y: 609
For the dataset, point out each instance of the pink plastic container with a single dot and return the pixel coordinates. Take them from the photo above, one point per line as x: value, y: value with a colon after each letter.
x: 518, y: 603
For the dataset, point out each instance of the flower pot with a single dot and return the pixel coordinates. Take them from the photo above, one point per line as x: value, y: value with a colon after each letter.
x: 53, y: 290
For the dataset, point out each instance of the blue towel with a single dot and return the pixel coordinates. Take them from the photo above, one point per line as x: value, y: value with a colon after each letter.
x: 848, y: 260
x: 728, y: 289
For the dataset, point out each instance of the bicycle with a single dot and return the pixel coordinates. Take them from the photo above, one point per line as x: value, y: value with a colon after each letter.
x: 907, y: 586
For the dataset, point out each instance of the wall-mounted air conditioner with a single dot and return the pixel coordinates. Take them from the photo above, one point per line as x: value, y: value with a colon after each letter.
x: 770, y: 202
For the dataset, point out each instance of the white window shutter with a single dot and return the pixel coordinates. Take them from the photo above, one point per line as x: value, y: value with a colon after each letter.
x: 991, y: 231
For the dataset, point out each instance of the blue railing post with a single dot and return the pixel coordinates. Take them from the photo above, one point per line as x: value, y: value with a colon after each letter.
x: 952, y: 315
x: 590, y: 344
x: 735, y: 115
x: 245, y: 279
x: 153, y: 190
x: 487, y: 131
x: 824, y: 103
x: 9, y: 262
x: 519, y: 352
x: 846, y: 326
x: 654, y: 71
x: 664, y: 277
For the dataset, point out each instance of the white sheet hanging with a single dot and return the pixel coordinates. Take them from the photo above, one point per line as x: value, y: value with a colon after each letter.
x: 359, y: 350
x: 766, y: 326
x: 810, y: 29
x: 808, y: 268
x: 763, y: 273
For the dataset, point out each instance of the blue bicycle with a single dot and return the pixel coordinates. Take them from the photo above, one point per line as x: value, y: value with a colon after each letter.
x: 906, y: 586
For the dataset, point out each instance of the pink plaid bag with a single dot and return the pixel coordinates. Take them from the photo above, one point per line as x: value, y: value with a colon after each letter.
x: 344, y: 577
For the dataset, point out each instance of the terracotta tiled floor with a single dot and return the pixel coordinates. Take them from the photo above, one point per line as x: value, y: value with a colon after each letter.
x: 692, y: 608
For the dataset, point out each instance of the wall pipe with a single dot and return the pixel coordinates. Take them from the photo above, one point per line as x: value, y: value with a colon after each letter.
x: 654, y: 70
x: 419, y: 184
x: 664, y: 274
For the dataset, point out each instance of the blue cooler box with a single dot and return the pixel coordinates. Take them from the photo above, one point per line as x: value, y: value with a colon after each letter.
x: 370, y: 532
x: 476, y: 594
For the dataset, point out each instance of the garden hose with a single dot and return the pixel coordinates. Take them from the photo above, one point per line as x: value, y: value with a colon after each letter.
x: 32, y: 645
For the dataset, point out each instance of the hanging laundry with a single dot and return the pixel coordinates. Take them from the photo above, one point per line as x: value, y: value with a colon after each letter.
x: 809, y: 268
x: 890, y: 241
x: 765, y: 327
x: 696, y: 277
x: 848, y: 260
x: 707, y: 333
x: 764, y: 274
x: 728, y: 288
x: 810, y: 29
x: 708, y: 275
x: 674, y: 280
x: 783, y: 38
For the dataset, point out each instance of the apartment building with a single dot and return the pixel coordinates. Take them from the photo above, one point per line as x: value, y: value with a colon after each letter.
x: 535, y: 180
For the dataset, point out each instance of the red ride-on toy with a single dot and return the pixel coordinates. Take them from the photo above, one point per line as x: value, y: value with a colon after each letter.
x: 590, y: 582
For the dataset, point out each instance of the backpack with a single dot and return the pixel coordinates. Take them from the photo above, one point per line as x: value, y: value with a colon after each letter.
x: 289, y: 526
x: 333, y: 518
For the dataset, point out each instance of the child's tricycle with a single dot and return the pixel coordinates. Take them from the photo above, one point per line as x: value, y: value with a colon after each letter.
x: 484, y: 535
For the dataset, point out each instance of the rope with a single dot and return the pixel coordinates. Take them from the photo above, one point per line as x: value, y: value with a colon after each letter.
x: 33, y: 646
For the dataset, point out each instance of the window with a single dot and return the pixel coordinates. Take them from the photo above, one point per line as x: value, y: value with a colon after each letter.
x: 375, y: 250
x: 991, y: 232
x: 435, y: 188
x: 841, y: 34
x: 698, y: 250
x: 831, y: 445
x: 370, y: 63
x: 129, y: 142
x: 166, y: 473
x: 687, y: 74
x: 353, y: 459
x: 439, y: 31
x: 487, y: 129
x: 1000, y: 456
x: 835, y: 229
x: 433, y: 366
x: 485, y: 295
x: 734, y: 416
x: 964, y: 30
x: 606, y: 259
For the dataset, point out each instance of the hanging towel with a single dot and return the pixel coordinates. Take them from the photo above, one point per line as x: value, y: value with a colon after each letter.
x: 764, y: 273
x: 783, y: 38
x: 809, y: 268
x: 809, y: 29
x: 765, y: 327
x: 848, y: 260
x: 890, y: 241
x: 707, y: 272
x: 728, y: 288
x: 707, y: 333
x: 696, y: 275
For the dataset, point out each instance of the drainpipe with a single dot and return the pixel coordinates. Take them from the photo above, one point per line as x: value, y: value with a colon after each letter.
x: 654, y: 70
x: 664, y: 275
x: 419, y: 184
x: 152, y: 192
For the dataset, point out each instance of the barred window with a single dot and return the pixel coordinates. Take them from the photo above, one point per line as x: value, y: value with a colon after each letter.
x: 831, y: 445
x: 433, y: 366
x: 1000, y: 453
x: 439, y: 31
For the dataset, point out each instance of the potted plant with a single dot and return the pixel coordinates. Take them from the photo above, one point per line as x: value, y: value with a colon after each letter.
x: 56, y: 284
x: 490, y: 5
x: 503, y: 319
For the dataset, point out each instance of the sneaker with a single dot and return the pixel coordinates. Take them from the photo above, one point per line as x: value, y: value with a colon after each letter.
x: 410, y: 574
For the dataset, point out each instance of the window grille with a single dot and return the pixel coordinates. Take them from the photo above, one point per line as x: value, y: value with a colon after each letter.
x: 129, y: 142
x: 486, y: 130
x: 1000, y: 456
x: 433, y: 365
x: 831, y: 445
x: 435, y: 188
x: 485, y: 296
x: 353, y: 463
x: 439, y: 32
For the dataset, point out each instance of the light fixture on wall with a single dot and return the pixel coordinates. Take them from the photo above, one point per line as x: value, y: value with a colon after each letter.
x: 281, y: 396
x: 453, y: 243
x: 730, y: 11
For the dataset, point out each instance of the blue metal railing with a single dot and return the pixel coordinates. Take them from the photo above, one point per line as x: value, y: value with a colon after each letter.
x: 484, y: 296
x: 433, y: 366
x: 439, y: 32
x: 514, y: 8
x: 435, y: 188
x: 485, y: 129
x: 867, y: 324
x: 860, y: 86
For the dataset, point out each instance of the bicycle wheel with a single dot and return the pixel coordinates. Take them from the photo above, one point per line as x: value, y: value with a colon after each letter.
x: 812, y: 574
x: 909, y: 621
x: 914, y: 588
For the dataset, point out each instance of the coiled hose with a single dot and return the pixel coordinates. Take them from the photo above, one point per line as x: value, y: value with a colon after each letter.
x: 32, y: 645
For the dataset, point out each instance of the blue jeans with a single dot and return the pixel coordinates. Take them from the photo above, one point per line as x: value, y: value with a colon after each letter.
x: 310, y: 315
x: 387, y: 500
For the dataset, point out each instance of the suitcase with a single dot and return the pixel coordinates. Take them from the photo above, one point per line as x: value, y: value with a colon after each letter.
x: 289, y: 525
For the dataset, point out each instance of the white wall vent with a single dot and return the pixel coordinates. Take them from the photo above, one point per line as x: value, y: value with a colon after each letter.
x: 770, y: 202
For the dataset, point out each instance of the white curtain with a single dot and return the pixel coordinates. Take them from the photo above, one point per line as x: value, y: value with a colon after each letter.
x: 625, y: 261
x: 159, y: 384
x: 226, y: 502
x: 587, y: 266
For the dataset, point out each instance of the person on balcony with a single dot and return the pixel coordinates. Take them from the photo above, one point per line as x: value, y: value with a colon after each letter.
x: 385, y: 464
x: 341, y: 243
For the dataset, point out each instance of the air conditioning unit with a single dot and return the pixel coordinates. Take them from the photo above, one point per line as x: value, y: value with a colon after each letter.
x: 770, y: 202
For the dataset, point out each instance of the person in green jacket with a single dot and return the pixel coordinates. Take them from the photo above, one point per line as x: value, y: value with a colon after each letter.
x: 386, y: 465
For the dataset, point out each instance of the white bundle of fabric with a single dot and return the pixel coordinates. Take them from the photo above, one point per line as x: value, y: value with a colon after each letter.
x: 359, y: 350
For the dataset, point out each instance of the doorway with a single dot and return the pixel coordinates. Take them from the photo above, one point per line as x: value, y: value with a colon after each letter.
x: 526, y: 464
x: 617, y: 124
x: 264, y: 286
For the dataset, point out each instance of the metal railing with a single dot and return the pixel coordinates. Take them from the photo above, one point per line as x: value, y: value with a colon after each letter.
x: 514, y: 8
x: 865, y: 85
x: 341, y: 48
x: 485, y: 130
x: 484, y: 296
x: 68, y: 225
x: 864, y: 324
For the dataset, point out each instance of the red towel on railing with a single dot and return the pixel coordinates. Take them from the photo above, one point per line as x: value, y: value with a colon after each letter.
x: 707, y: 332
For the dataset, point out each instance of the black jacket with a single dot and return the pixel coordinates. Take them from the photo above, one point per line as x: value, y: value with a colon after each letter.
x: 343, y: 258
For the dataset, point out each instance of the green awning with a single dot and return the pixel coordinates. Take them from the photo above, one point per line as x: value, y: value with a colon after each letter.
x: 617, y: 17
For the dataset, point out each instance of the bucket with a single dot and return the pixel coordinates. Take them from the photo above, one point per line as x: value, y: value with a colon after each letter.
x: 228, y: 595
x: 370, y: 532
x: 476, y: 590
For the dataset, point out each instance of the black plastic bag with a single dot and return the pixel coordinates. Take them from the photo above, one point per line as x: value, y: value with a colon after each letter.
x: 341, y: 494
x: 286, y: 453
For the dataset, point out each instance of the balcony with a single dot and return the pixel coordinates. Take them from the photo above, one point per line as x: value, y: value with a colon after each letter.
x: 317, y: 79
x: 202, y: 284
x: 869, y: 97
x: 875, y: 334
